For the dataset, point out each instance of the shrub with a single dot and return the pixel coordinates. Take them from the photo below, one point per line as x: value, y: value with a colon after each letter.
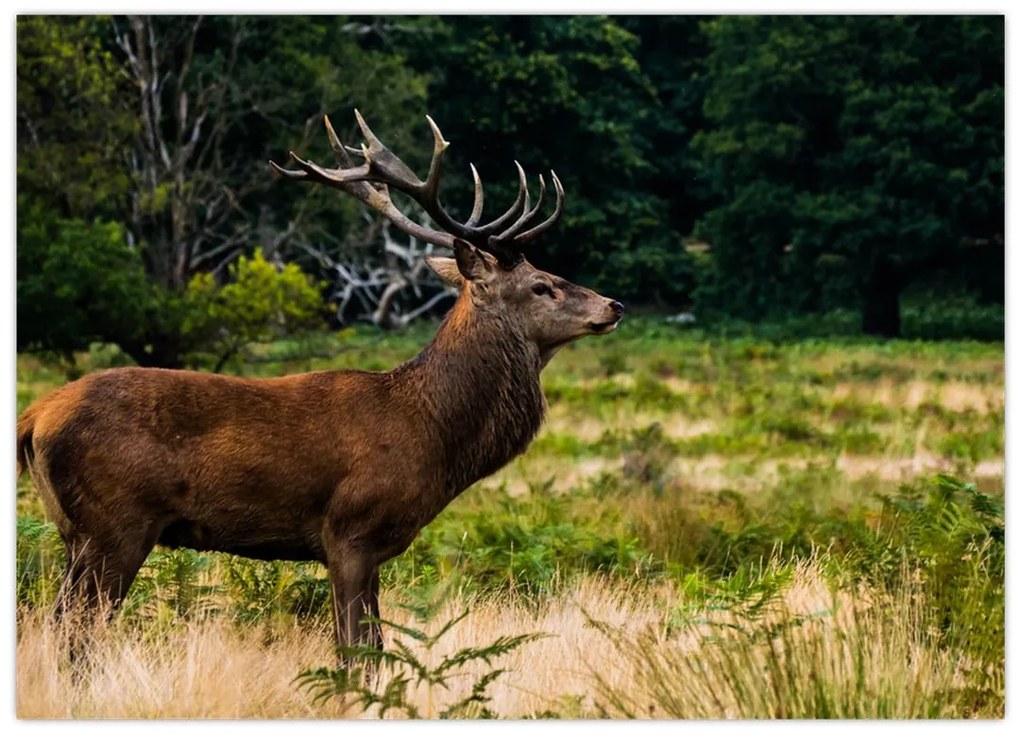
x: 954, y: 538
x: 259, y: 303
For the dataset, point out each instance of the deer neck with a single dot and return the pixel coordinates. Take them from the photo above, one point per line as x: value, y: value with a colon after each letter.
x: 479, y: 385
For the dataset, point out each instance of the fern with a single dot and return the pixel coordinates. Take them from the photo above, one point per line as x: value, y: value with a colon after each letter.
x: 170, y: 586
x: 40, y: 556
x: 409, y: 670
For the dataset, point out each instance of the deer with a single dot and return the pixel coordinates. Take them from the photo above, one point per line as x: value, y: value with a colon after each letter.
x: 342, y: 467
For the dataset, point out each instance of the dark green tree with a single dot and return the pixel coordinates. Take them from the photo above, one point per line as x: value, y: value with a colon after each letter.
x: 671, y: 53
x: 79, y: 282
x: 79, y: 279
x: 853, y: 156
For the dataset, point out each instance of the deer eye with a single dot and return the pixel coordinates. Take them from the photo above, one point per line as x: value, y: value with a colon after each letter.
x: 541, y: 289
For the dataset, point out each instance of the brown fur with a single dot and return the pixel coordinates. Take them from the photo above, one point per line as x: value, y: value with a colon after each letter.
x: 340, y: 467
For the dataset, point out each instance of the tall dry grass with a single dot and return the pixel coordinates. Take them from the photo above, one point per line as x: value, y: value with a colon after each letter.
x: 855, y: 657
x: 207, y: 669
x: 811, y: 653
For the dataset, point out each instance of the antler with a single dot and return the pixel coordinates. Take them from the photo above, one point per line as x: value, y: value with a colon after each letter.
x: 381, y: 170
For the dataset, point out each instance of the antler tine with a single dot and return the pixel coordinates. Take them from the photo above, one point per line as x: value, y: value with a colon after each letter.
x: 356, y: 181
x: 285, y: 173
x: 389, y: 169
x: 515, y: 209
x: 385, y: 167
x: 337, y: 177
x: 528, y: 236
x: 366, y: 131
x: 436, y: 166
x: 526, y: 217
x: 428, y: 196
x: 340, y: 151
x: 476, y: 210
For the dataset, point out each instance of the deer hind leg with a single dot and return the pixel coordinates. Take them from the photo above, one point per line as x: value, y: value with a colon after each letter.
x: 100, y: 569
x: 97, y: 576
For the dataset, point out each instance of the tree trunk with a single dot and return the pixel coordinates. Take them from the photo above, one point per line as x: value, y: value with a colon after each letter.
x: 223, y: 359
x: 880, y: 311
x: 162, y: 351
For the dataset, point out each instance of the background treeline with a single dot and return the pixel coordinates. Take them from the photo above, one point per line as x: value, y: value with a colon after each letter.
x: 741, y: 167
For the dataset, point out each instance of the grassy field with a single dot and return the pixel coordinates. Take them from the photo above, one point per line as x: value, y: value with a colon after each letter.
x: 705, y: 527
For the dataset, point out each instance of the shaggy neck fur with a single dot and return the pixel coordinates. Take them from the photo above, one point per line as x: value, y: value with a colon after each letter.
x: 479, y: 381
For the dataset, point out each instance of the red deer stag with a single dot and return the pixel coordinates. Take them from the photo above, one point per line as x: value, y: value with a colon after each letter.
x: 342, y: 467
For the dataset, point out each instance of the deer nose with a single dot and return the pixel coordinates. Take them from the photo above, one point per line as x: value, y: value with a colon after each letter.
x: 617, y: 308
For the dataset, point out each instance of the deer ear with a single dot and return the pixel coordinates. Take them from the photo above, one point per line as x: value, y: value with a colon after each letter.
x: 446, y: 269
x: 471, y: 263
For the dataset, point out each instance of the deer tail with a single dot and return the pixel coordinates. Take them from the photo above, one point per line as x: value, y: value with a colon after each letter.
x: 26, y: 427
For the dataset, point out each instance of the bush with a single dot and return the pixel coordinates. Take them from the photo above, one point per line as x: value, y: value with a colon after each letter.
x: 259, y: 304
x: 409, y: 669
x: 79, y: 282
x: 954, y: 538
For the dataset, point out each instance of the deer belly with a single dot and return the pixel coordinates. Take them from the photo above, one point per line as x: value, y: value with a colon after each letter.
x: 266, y: 546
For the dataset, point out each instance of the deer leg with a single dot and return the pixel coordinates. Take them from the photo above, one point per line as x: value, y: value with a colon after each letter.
x: 351, y: 571
x: 376, y: 628
x: 100, y: 569
x: 358, y: 597
x: 96, y: 580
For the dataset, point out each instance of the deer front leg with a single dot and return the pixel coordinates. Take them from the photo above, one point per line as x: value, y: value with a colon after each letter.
x: 351, y: 571
x: 376, y: 628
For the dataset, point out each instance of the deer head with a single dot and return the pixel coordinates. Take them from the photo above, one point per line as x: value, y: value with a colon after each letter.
x: 488, y: 266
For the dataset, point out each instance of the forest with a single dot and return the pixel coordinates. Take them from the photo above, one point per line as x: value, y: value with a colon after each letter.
x: 739, y: 167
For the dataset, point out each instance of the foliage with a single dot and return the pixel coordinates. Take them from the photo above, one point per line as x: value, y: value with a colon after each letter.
x: 239, y: 89
x: 525, y: 545
x: 264, y: 591
x: 671, y: 53
x: 168, y: 141
x: 827, y: 162
x: 936, y: 553
x: 408, y: 667
x: 81, y: 275
x: 81, y: 282
x: 852, y: 156
x: 954, y: 536
x: 259, y: 303
x: 72, y: 119
x: 171, y: 587
x: 938, y: 315
x: 40, y: 557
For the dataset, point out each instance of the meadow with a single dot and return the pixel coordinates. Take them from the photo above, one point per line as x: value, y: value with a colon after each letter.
x: 711, y: 524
